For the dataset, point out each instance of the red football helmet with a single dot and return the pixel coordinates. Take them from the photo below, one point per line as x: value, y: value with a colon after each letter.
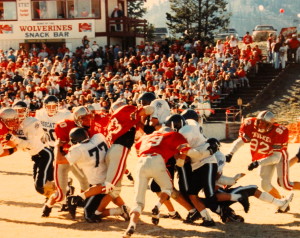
x: 83, y: 117
x: 265, y: 121
x: 10, y: 118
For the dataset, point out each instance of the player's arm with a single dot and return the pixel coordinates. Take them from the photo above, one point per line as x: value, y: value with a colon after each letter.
x: 58, y: 155
x: 199, y: 153
x: 5, y: 152
x: 181, y: 155
x: 238, y: 143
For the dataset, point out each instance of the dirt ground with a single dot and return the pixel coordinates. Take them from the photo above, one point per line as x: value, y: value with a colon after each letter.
x: 21, y: 207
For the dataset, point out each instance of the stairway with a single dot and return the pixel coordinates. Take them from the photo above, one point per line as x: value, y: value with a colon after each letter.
x: 258, y: 82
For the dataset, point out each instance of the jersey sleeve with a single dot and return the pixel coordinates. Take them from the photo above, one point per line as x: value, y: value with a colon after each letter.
x: 245, y: 130
x: 3, y: 131
x: 61, y: 131
x: 281, y: 138
x: 74, y: 154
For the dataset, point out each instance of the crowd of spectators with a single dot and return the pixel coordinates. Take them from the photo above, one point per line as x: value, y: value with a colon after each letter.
x: 185, y: 73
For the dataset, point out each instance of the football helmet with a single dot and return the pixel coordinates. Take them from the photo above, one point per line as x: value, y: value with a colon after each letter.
x: 91, y: 108
x: 265, y: 121
x: 78, y: 135
x: 116, y: 105
x: 146, y: 98
x: 51, y: 105
x: 21, y: 109
x: 83, y: 117
x: 190, y: 114
x: 10, y: 118
x: 175, y: 122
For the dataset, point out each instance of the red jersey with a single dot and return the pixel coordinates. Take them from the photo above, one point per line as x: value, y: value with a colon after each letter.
x: 100, y: 123
x: 3, y: 131
x: 121, y: 121
x: 63, y: 128
x: 165, y: 144
x: 264, y: 144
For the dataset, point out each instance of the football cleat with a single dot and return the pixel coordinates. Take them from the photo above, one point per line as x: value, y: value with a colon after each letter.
x: 73, y: 202
x: 191, y: 217
x: 286, y: 207
x: 93, y: 219
x: 155, y: 215
x: 176, y: 216
x: 130, y: 177
x: 46, y: 211
x: 228, y: 215
x: 125, y: 213
x: 129, y: 232
x: 244, y: 200
x: 64, y: 208
x: 207, y: 223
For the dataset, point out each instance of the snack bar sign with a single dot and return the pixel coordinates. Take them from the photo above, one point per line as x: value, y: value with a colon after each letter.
x: 47, y: 30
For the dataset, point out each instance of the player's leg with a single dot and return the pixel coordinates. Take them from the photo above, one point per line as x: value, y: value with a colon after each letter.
x: 140, y: 188
x: 43, y: 170
x: 194, y: 188
x: 80, y: 176
x: 116, y: 165
x: 283, y: 174
x: 161, y: 175
x: 61, y: 172
x: 266, y: 174
x: 91, y: 205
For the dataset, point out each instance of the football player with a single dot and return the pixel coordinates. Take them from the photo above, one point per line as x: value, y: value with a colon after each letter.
x: 49, y: 115
x: 121, y: 135
x: 7, y: 117
x: 154, y: 151
x: 204, y: 165
x: 29, y: 136
x: 268, y: 144
x: 154, y: 122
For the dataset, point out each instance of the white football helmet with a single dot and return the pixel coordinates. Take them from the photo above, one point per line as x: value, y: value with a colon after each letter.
x: 116, y: 105
x: 265, y: 121
x: 10, y: 118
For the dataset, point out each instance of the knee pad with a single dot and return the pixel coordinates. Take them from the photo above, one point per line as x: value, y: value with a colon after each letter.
x: 175, y: 194
x: 266, y: 185
x: 115, y: 192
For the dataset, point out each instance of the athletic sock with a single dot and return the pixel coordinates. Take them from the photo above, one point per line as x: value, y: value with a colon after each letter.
x: 266, y: 197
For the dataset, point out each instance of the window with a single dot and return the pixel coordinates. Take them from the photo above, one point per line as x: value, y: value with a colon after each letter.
x: 8, y: 10
x: 65, y: 9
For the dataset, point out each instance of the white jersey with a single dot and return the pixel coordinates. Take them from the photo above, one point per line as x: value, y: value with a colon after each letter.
x: 90, y: 157
x: 48, y: 123
x: 198, y: 153
x: 161, y: 110
x: 30, y: 136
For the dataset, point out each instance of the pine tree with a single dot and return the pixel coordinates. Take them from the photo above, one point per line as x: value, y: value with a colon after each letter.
x: 197, y: 17
x: 136, y: 9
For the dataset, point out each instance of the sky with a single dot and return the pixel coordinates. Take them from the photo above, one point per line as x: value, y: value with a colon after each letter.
x: 150, y: 3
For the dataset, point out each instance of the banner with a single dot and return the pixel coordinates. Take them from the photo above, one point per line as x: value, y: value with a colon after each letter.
x: 47, y: 29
